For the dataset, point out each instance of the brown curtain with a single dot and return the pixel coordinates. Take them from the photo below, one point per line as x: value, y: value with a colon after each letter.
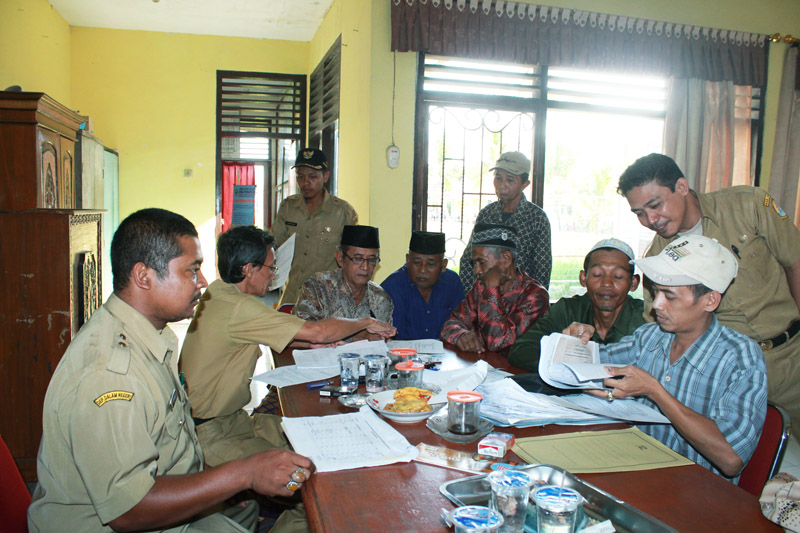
x: 542, y: 35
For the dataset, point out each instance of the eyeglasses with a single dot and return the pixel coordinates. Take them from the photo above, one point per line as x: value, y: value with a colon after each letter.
x: 273, y: 268
x: 358, y: 260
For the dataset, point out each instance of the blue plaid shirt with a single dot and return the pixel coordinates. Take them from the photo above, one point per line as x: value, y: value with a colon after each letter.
x: 722, y: 376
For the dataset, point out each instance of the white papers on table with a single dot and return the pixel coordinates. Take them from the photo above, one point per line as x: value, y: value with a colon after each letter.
x: 329, y: 357
x: 462, y: 379
x: 283, y: 376
x: 283, y: 260
x: 505, y: 403
x: 424, y: 346
x: 352, y: 440
x: 567, y: 363
x: 627, y: 409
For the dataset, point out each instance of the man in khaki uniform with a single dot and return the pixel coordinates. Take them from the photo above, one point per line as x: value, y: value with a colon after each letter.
x: 119, y: 449
x: 317, y: 219
x: 764, y: 299
x: 221, y: 347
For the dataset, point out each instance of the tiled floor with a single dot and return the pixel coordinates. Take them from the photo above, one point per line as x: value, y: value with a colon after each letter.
x: 791, y: 461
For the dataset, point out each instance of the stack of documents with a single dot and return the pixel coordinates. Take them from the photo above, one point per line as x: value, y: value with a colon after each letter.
x: 505, y: 403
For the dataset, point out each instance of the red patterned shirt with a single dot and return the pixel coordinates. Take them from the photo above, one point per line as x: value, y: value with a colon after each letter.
x: 498, y: 317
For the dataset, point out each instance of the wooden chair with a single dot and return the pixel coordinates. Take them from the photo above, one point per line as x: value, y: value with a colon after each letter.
x: 771, y: 447
x: 14, y: 495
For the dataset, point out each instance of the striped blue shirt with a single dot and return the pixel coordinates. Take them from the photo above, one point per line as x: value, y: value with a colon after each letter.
x: 722, y: 376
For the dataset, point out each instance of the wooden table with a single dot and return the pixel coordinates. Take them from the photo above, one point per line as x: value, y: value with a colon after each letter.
x: 405, y: 496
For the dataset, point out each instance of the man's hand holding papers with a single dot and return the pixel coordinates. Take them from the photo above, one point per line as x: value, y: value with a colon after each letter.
x: 569, y: 363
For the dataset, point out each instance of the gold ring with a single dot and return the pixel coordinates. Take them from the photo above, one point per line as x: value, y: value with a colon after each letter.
x: 610, y: 395
x: 292, y: 485
x: 298, y: 475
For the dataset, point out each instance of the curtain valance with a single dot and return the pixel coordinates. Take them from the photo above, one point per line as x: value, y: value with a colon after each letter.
x: 536, y: 34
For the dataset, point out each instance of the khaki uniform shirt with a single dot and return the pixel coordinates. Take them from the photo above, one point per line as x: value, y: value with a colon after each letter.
x: 115, y: 416
x: 744, y: 220
x: 318, y: 235
x: 749, y: 222
x: 221, y: 347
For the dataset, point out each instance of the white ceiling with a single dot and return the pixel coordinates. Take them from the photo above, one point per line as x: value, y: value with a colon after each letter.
x: 294, y: 20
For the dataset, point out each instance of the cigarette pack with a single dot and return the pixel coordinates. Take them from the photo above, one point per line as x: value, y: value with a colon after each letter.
x: 495, y: 444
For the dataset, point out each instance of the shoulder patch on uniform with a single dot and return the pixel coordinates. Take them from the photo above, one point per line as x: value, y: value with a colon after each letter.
x: 113, y: 395
x: 778, y: 209
x: 767, y: 198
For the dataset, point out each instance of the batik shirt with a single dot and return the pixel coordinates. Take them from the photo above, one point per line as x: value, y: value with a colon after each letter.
x: 498, y: 317
x: 327, y: 295
x: 535, y: 257
x: 721, y: 376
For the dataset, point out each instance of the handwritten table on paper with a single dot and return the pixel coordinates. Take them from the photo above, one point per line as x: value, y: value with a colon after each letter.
x: 618, y: 450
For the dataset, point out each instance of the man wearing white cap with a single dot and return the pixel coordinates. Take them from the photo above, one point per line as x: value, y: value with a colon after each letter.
x: 707, y: 379
x: 535, y: 256
x: 764, y: 302
x: 609, y: 279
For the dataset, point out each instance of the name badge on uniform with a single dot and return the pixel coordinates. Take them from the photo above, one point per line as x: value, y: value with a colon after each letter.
x: 290, y: 223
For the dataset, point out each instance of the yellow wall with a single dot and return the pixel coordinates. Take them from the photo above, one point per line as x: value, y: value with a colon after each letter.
x: 34, y: 48
x: 390, y: 198
x: 152, y: 95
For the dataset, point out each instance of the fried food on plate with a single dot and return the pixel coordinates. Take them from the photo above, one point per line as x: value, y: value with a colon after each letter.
x: 410, y: 400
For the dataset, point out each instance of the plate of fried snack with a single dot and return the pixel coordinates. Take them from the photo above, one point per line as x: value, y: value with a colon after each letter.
x: 406, y: 405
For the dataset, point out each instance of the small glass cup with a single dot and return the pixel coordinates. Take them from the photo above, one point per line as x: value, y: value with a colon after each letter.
x: 375, y: 372
x: 463, y: 412
x: 510, y: 492
x: 474, y: 519
x: 556, y: 509
x: 409, y: 374
x: 349, y: 365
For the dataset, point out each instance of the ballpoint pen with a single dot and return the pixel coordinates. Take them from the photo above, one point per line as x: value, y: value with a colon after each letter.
x: 318, y: 384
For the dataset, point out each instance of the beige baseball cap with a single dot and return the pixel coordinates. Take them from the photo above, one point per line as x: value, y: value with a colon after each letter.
x: 514, y: 162
x: 691, y: 260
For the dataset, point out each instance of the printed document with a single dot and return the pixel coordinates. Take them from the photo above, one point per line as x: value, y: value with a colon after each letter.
x: 329, y: 357
x: 567, y: 363
x: 422, y: 346
x: 352, y: 440
x: 283, y: 260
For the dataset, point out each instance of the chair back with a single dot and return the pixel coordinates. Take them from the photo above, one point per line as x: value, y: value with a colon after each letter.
x: 286, y: 308
x: 771, y: 447
x: 14, y: 495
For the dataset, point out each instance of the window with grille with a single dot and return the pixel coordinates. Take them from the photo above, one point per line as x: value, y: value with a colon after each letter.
x: 260, y: 118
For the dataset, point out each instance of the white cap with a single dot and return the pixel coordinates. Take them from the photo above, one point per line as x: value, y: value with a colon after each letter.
x: 691, y: 260
x: 513, y: 162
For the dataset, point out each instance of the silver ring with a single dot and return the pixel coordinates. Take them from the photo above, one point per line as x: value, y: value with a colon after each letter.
x: 299, y: 475
x: 292, y: 485
x: 610, y: 395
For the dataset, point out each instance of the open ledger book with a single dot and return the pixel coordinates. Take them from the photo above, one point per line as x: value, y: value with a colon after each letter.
x: 567, y: 363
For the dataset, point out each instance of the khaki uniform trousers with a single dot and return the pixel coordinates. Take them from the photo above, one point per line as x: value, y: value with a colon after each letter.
x: 783, y: 377
x: 238, y: 435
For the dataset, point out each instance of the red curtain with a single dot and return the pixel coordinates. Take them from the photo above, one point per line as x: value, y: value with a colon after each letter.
x: 234, y: 174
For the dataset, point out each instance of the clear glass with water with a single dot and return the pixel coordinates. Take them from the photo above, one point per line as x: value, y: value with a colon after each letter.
x: 349, y: 366
x: 510, y: 492
x: 375, y: 372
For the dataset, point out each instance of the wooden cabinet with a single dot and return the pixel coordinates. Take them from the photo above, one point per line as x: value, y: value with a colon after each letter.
x: 50, y: 263
x: 37, y: 152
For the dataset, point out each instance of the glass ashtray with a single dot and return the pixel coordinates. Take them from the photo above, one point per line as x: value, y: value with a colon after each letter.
x: 354, y: 401
x: 438, y: 424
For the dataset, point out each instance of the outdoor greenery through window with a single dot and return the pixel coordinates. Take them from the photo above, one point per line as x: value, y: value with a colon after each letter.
x: 581, y: 129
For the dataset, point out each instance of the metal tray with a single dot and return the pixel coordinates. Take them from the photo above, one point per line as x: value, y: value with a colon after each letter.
x: 599, y: 504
